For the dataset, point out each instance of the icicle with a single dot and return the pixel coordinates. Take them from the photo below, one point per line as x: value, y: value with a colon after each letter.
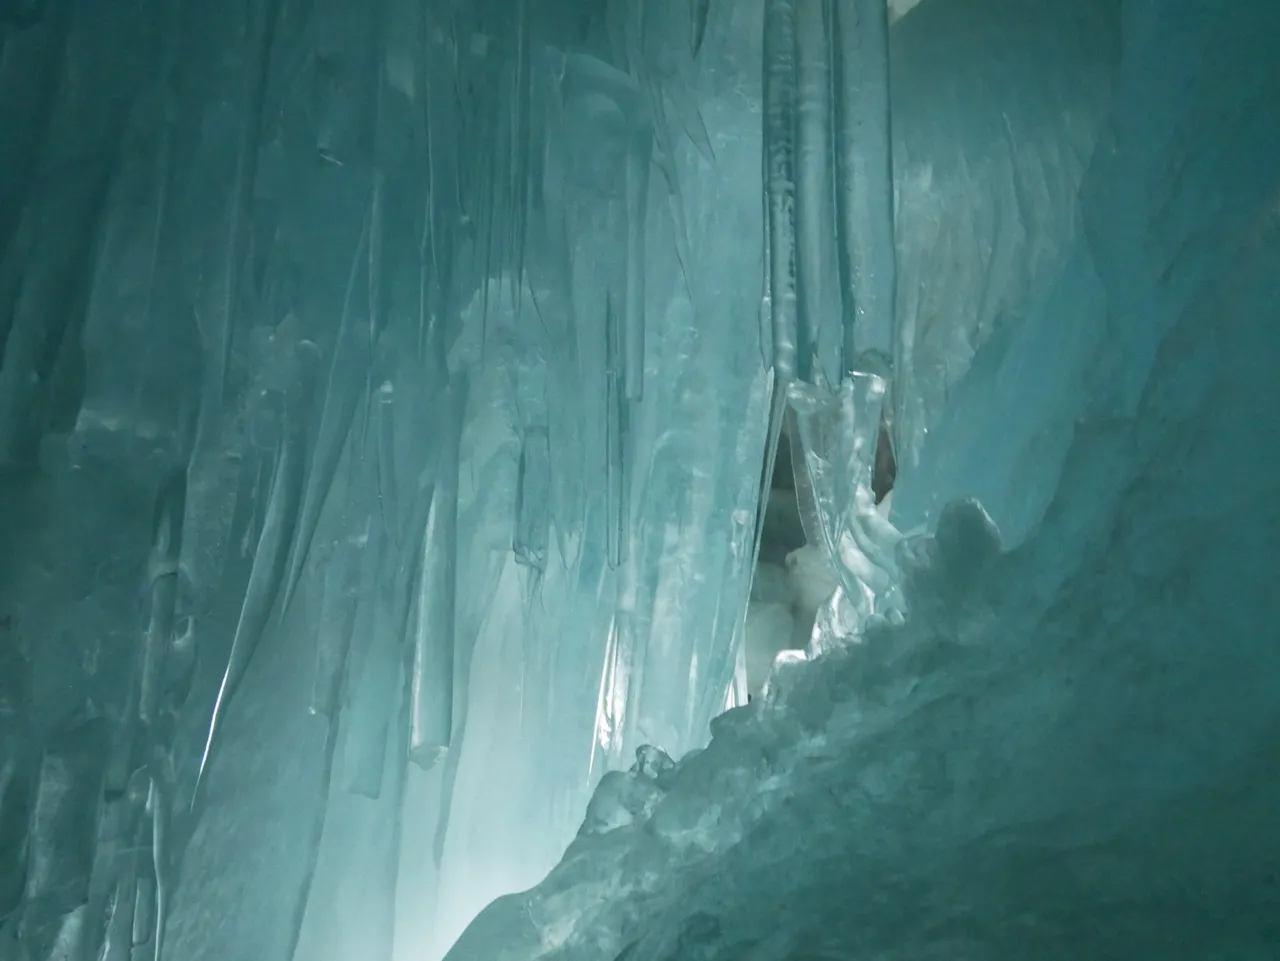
x: 337, y: 623
x: 144, y: 893
x: 666, y: 162
x: 435, y: 637
x: 817, y: 288
x: 747, y: 534
x: 164, y: 160
x: 368, y: 724
x: 521, y: 134
x: 637, y: 204
x: 392, y: 574
x: 429, y: 260
x: 49, y: 306
x: 533, y: 499
x: 631, y: 631
x: 158, y: 808
x: 488, y: 202
x: 616, y: 510
x: 433, y: 295
x: 610, y: 706
x: 378, y: 273
x: 388, y: 493
x: 779, y: 186
x: 63, y: 834
x: 590, y: 76
x: 19, y: 760
x: 118, y: 940
x: 806, y: 505
x: 279, y: 529
x: 864, y: 182
x: 263, y: 14
x: 377, y: 268
x: 315, y: 838
x: 385, y: 949
x: 162, y: 577
x: 348, y: 703
x: 428, y: 274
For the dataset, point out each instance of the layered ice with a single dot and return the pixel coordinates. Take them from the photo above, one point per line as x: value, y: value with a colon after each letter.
x: 389, y: 399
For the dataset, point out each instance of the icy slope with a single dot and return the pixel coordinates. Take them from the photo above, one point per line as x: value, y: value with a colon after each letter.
x: 1070, y: 749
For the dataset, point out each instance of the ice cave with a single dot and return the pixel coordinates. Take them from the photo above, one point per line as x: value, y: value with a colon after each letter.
x: 639, y: 480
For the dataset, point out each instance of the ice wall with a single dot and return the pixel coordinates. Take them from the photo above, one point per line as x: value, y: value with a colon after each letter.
x: 388, y: 384
x: 455, y: 400
x: 1066, y: 749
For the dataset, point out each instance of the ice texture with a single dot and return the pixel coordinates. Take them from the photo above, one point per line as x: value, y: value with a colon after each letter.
x: 390, y: 398
x: 1062, y: 751
x: 836, y: 433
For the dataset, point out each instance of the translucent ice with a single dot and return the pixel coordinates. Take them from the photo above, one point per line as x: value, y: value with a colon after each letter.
x: 1074, y: 718
x: 479, y: 333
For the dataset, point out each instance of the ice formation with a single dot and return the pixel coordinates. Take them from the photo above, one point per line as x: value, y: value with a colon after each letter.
x: 422, y: 423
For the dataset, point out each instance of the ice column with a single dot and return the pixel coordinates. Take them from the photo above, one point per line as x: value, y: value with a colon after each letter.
x: 819, y: 333
x: 434, y: 633
x: 864, y: 184
x: 831, y: 276
x: 779, y: 185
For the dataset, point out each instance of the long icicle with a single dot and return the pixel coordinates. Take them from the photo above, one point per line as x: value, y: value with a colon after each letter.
x: 779, y: 303
x: 266, y: 577
x: 817, y: 295
x: 435, y: 634
x: 779, y: 149
x: 865, y: 192
x: 264, y: 31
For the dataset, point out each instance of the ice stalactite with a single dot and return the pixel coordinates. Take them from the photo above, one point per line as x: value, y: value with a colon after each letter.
x: 865, y: 186
x: 832, y: 269
x: 779, y: 190
x: 821, y: 356
x: 63, y: 839
x: 435, y: 626
x: 260, y: 35
x: 533, y: 502
x: 277, y: 536
x: 617, y: 488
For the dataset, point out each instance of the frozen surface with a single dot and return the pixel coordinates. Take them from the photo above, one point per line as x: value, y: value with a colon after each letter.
x: 403, y: 380
x: 1067, y: 750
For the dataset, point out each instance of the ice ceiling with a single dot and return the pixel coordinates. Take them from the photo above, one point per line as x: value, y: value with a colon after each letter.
x: 389, y: 402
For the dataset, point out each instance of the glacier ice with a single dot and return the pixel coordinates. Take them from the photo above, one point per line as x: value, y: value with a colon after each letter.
x: 420, y: 424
